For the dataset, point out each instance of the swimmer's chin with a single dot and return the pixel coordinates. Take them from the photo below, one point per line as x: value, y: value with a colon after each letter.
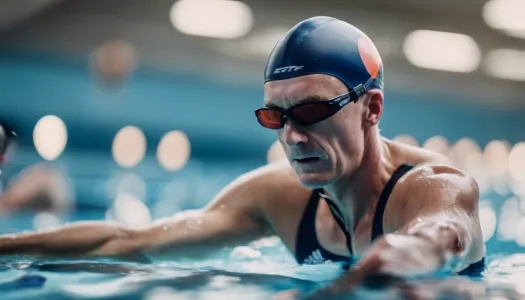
x: 314, y: 180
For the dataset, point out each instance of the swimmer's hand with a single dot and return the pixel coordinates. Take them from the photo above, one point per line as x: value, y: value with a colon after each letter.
x: 391, y: 258
x: 406, y: 255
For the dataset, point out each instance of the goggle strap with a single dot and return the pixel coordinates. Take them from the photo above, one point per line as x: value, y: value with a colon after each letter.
x: 359, y: 90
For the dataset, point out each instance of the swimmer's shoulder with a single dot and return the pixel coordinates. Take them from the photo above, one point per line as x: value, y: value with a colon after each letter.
x: 435, y: 172
x: 274, y: 184
x: 429, y: 187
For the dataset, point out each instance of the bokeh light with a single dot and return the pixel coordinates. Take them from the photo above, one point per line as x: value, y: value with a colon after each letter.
x: 465, y: 153
x: 517, y: 163
x: 132, y: 184
x: 46, y: 221
x: 487, y: 219
x: 174, y: 150
x: 262, y: 43
x: 437, y: 144
x: 129, y: 147
x: 506, y: 64
x: 520, y: 232
x: 506, y: 16
x: 131, y: 211
x: 495, y: 158
x: 50, y: 137
x: 509, y: 218
x: 172, y: 197
x: 444, y: 51
x: 202, y: 18
x: 406, y: 139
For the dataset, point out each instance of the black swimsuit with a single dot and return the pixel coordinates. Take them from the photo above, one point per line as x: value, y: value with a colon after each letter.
x: 310, y: 251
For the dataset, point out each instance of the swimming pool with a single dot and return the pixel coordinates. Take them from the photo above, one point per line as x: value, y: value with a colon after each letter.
x: 254, y: 271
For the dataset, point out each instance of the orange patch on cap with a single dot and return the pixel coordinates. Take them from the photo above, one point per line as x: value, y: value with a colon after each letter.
x: 369, y: 55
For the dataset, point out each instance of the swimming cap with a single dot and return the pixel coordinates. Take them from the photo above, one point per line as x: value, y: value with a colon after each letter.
x: 325, y: 45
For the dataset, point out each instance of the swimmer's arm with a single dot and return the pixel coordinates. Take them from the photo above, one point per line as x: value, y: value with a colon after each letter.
x: 179, y: 235
x: 233, y: 217
x: 71, y: 240
x: 192, y: 234
x: 186, y: 234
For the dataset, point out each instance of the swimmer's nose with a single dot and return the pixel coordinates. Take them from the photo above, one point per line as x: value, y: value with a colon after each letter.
x: 292, y: 136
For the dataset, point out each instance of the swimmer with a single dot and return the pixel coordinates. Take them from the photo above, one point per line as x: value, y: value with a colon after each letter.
x: 345, y: 192
x: 7, y: 144
x: 8, y: 141
x: 37, y: 188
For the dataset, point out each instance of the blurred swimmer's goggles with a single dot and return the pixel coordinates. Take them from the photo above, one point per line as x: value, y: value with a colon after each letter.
x: 307, y: 113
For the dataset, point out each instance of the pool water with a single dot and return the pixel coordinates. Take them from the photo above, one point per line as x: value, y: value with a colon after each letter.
x: 258, y: 270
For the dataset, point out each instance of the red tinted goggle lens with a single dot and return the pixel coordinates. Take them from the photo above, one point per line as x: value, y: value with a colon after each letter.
x: 305, y: 114
x: 270, y: 118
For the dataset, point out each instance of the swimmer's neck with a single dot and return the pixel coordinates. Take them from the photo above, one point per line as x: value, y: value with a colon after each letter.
x: 357, y: 193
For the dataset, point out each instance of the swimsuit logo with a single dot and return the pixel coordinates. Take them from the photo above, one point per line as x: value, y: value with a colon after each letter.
x: 315, y: 258
x: 287, y: 69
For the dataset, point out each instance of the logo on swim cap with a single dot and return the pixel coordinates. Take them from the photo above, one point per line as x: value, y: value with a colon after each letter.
x: 288, y: 69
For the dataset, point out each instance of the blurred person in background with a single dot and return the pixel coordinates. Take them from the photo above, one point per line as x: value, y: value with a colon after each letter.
x: 113, y: 62
x: 345, y: 194
x: 37, y: 188
x: 8, y: 144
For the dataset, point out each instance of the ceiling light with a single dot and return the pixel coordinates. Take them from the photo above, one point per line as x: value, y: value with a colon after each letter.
x: 443, y: 51
x: 212, y: 18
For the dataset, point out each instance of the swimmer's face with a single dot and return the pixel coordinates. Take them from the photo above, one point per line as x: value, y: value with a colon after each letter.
x: 322, y: 152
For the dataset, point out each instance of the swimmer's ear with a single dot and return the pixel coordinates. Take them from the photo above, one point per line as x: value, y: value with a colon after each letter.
x: 374, y: 103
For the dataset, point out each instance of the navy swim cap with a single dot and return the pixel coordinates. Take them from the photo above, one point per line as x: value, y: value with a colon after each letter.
x: 325, y: 45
